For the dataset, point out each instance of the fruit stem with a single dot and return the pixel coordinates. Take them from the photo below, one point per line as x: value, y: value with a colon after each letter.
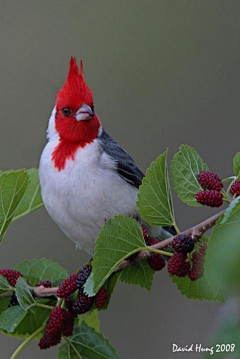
x: 150, y: 249
x: 226, y: 196
x: 28, y: 340
x: 40, y: 305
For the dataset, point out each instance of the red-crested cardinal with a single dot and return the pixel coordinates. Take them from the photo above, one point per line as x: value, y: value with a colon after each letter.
x: 85, y: 176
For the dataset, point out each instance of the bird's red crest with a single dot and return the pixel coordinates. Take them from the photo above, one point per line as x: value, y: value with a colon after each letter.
x: 75, y: 90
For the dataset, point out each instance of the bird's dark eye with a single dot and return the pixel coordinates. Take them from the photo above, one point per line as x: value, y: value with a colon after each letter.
x: 67, y: 111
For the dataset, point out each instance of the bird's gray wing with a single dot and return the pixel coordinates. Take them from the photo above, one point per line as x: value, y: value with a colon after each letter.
x: 126, y: 166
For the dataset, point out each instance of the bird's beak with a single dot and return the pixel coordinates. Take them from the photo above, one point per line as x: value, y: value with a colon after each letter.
x: 84, y: 113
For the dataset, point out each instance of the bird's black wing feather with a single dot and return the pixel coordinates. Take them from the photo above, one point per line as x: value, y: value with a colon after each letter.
x: 126, y: 166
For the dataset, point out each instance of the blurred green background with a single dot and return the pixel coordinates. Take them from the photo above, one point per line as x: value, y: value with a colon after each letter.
x: 162, y: 73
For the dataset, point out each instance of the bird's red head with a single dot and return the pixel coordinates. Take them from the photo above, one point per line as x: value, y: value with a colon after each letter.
x: 75, y: 117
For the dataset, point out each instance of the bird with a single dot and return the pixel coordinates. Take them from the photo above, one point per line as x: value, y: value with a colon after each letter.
x: 85, y: 176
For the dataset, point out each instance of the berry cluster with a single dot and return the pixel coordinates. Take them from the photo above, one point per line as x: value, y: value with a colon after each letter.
x: 60, y: 322
x: 83, y: 303
x: 212, y: 183
x: 179, y: 265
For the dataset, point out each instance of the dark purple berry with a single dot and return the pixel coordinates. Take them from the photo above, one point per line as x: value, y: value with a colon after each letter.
x: 83, y: 304
x: 85, y: 272
x: 44, y: 283
x: 183, y: 243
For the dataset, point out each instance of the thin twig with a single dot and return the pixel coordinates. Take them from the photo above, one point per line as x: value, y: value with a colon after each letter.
x: 196, y: 232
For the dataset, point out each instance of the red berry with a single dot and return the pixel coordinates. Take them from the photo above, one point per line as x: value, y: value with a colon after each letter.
x: 150, y: 241
x: 83, y: 304
x: 68, y: 286
x: 101, y: 297
x: 210, y: 198
x: 197, y: 270
x: 53, y: 332
x: 11, y: 275
x: 177, y: 264
x: 145, y: 233
x: 210, y: 180
x: 183, y: 243
x: 235, y: 188
x: 156, y: 261
x: 67, y: 328
x: 44, y: 283
x: 85, y: 272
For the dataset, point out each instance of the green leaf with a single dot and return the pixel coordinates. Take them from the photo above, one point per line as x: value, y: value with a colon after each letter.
x: 11, y: 318
x: 199, y: 289
x: 109, y: 286
x: 13, y: 185
x: 23, y: 293
x: 186, y: 165
x: 139, y: 274
x: 154, y: 197
x: 4, y: 302
x: 223, y: 252
x: 85, y: 343
x: 4, y: 285
x: 32, y: 199
x: 91, y: 319
x: 236, y: 164
x: 20, y: 323
x: 39, y: 269
x: 120, y: 238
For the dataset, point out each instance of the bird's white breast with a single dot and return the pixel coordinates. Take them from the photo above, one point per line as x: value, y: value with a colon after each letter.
x: 87, y: 192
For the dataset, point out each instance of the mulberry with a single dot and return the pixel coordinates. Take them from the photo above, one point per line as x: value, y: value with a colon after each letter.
x: 210, y: 198
x: 210, y: 180
x: 177, y: 265
x: 68, y: 286
x: 235, y: 188
x: 101, y: 297
x: 11, y: 275
x: 197, y: 270
x: 183, y: 243
x: 85, y: 272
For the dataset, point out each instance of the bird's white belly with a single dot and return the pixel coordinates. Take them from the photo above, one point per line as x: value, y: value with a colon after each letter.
x: 81, y: 197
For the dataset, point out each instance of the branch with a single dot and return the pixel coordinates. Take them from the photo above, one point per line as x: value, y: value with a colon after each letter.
x: 196, y: 232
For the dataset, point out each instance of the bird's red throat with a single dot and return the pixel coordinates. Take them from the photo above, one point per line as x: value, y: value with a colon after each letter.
x: 73, y: 136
